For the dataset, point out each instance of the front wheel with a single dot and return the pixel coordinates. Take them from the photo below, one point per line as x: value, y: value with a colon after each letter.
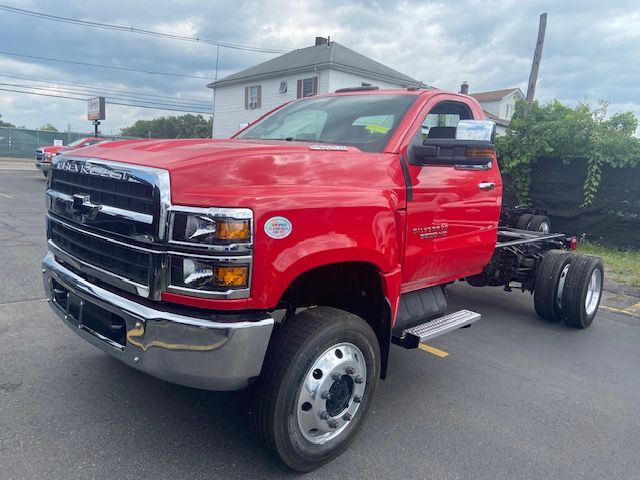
x: 316, y: 386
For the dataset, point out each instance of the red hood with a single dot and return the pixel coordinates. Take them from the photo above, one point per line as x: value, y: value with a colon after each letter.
x: 241, y: 172
x: 52, y: 149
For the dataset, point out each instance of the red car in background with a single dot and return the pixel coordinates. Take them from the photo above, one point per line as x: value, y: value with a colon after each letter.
x: 45, y: 154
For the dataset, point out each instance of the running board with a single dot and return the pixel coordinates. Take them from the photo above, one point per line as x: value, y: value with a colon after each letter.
x: 413, y: 336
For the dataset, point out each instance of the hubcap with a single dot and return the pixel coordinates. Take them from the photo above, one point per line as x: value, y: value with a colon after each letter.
x: 593, y: 292
x: 544, y: 227
x: 563, y: 277
x: 331, y: 393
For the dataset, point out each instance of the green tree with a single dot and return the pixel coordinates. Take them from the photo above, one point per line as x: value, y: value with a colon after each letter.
x: 48, y: 127
x: 184, y: 126
x: 557, y: 131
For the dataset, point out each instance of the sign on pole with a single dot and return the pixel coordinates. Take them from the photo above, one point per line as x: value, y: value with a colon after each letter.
x: 95, y: 110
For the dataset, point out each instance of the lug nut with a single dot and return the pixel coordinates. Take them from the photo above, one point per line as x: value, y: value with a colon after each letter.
x: 358, y: 379
x: 357, y: 398
x: 322, y: 415
x: 350, y: 370
x: 346, y: 417
x: 332, y: 424
x: 325, y: 395
x: 335, y: 377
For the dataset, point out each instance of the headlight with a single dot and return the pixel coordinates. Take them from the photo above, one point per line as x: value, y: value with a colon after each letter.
x: 211, y: 226
x: 207, y: 275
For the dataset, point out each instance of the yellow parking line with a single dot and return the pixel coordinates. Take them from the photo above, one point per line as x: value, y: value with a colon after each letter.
x: 628, y: 311
x: 432, y: 350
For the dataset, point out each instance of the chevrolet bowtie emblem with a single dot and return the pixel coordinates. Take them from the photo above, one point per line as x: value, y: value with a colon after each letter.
x: 82, y: 208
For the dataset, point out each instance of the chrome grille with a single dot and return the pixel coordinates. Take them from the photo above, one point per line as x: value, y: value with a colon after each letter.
x: 106, y: 220
x: 123, y: 261
x: 128, y: 195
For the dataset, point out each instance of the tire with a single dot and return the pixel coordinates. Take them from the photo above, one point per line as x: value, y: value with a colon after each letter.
x: 550, y: 279
x: 311, y: 354
x: 523, y: 221
x: 582, y: 291
x: 540, y: 223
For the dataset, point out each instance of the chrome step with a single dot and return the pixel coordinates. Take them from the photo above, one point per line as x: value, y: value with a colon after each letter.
x: 413, y: 336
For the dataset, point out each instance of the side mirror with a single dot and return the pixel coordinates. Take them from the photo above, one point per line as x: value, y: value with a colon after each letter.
x: 472, y: 147
x: 484, y: 130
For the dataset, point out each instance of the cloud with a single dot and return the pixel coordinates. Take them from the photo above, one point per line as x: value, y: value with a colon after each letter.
x: 591, y: 48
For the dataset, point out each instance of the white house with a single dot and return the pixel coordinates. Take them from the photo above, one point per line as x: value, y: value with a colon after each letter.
x: 498, y: 105
x: 321, y: 68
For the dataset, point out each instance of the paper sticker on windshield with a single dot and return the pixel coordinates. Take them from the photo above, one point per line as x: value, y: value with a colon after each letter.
x: 278, y: 227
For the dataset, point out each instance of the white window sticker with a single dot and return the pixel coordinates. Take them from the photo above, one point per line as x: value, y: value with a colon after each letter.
x: 278, y: 227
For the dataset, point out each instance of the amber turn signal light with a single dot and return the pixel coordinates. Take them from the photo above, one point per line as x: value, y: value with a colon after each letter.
x: 232, y: 229
x: 231, y: 276
x: 479, y: 152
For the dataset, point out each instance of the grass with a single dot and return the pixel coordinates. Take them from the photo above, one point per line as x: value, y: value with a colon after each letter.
x: 623, y: 266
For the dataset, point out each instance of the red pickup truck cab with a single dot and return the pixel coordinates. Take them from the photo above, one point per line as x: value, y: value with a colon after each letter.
x: 290, y: 257
x: 45, y: 154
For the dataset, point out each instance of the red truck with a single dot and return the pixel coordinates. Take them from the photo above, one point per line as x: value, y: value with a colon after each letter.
x: 290, y: 257
x: 45, y: 154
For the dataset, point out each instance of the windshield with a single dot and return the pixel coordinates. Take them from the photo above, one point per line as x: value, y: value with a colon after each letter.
x: 363, y: 121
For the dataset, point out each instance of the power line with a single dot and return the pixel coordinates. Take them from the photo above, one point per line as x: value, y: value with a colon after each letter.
x: 204, y: 107
x: 110, y: 102
x: 143, y: 94
x: 124, y: 96
x: 103, y: 66
x: 108, y: 26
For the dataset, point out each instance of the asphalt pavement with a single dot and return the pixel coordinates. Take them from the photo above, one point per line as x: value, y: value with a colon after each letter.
x: 516, y: 398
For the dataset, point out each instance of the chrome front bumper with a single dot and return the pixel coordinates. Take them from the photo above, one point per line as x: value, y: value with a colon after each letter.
x: 209, y: 351
x: 43, y: 166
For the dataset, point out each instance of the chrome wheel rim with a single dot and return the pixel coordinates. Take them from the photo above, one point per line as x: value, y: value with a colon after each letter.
x: 561, y: 280
x: 331, y: 393
x: 544, y: 227
x: 594, y: 291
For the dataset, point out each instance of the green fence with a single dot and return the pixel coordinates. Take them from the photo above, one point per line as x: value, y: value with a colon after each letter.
x: 22, y: 143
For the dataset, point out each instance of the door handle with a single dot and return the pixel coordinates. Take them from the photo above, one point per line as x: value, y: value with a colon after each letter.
x: 486, y: 185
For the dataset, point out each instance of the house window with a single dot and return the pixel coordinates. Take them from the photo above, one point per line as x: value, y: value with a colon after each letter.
x: 308, y: 86
x: 283, y: 87
x: 509, y: 112
x: 252, y: 97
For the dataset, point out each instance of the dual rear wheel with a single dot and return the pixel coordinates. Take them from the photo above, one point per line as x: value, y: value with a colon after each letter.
x: 568, y: 287
x: 537, y: 223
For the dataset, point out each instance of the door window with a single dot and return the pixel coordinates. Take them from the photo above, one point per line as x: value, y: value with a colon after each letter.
x: 442, y: 120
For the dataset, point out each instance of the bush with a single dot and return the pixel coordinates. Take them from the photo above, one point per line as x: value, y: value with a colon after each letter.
x: 557, y: 131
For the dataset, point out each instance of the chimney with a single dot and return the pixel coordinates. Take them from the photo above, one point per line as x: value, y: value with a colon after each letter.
x: 321, y: 41
x: 464, y: 88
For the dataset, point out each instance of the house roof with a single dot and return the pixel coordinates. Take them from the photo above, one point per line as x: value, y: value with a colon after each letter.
x: 495, y: 95
x: 495, y: 118
x: 333, y: 55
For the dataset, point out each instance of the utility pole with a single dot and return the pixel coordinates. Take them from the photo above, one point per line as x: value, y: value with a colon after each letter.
x: 533, y: 76
x: 215, y: 79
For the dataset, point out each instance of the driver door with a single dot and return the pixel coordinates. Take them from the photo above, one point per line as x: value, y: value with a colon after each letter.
x: 452, y: 216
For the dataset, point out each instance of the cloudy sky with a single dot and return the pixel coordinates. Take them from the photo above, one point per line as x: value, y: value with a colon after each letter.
x: 592, y: 49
